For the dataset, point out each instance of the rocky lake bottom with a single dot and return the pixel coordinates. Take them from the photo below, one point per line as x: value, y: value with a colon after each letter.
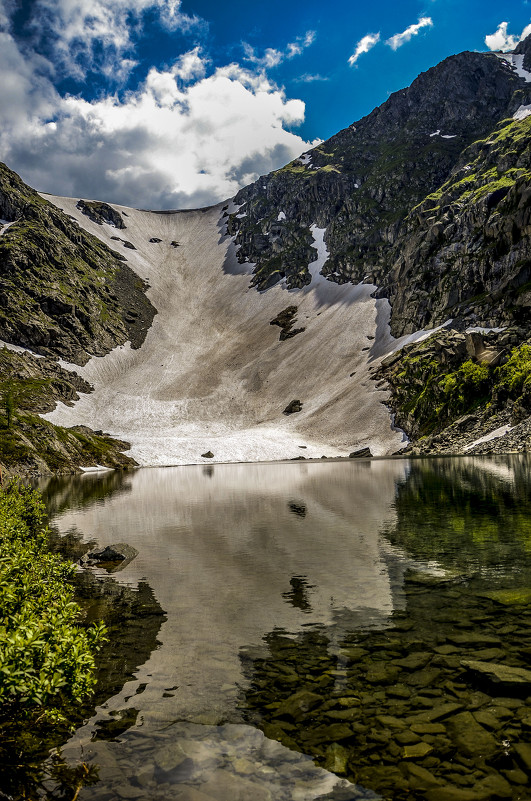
x: 317, y: 631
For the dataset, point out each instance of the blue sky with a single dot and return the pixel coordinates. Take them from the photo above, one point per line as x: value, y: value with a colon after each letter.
x: 177, y: 103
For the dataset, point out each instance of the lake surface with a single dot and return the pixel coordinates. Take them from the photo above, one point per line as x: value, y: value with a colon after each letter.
x: 332, y: 630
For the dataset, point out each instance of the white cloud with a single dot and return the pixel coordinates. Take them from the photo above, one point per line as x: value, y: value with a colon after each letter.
x: 501, y: 40
x: 190, y: 66
x: 188, y: 135
x: 272, y: 57
x: 363, y: 46
x: 400, y: 39
x: 169, y: 144
x: 309, y: 77
x: 84, y: 35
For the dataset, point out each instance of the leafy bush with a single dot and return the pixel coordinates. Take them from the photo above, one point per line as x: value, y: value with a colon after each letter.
x: 463, y: 388
x: 46, y: 656
x: 515, y: 374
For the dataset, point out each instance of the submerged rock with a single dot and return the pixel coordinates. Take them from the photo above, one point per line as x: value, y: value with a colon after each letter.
x: 502, y: 678
x: 111, y: 557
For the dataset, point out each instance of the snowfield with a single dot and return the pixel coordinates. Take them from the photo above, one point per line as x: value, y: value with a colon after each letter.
x: 212, y: 374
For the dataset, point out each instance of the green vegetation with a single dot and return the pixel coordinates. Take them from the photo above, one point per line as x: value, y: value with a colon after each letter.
x: 432, y: 393
x: 47, y: 657
x: 514, y: 377
x: 489, y: 167
x: 15, y: 393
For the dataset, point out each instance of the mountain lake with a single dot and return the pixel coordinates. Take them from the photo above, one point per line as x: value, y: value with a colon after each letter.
x: 311, y: 630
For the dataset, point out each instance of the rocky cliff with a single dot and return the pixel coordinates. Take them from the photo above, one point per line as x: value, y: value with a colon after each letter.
x: 362, y: 183
x: 62, y: 291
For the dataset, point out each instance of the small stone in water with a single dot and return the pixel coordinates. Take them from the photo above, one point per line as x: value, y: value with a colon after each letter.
x: 416, y: 751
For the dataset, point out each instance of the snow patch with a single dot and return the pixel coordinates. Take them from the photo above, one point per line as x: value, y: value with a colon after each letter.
x: 98, y: 468
x: 318, y: 243
x: 443, y: 136
x: 19, y: 349
x: 482, y: 330
x: 305, y: 159
x: 211, y: 373
x: 498, y: 432
x: 4, y: 225
x: 517, y: 63
x: 522, y: 113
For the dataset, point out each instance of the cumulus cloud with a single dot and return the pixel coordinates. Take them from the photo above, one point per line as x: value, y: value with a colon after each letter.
x: 400, y: 39
x: 273, y: 57
x: 363, y: 46
x: 501, y: 40
x: 183, y: 138
x: 187, y: 135
x: 83, y: 35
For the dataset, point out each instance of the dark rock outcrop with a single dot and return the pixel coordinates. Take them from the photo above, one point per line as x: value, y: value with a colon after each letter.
x: 101, y: 213
x: 62, y: 291
x: 286, y: 320
x: 293, y: 407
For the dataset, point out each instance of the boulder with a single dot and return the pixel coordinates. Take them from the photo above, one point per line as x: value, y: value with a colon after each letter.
x: 363, y: 453
x: 207, y: 455
x: 292, y: 407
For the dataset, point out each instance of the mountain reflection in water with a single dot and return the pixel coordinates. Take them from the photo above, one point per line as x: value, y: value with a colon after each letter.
x: 244, y: 559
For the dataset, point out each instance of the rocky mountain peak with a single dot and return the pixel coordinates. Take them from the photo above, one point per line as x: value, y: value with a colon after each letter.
x: 363, y: 182
x: 524, y: 49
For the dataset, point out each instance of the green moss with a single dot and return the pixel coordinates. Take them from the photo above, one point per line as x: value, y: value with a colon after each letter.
x: 433, y: 395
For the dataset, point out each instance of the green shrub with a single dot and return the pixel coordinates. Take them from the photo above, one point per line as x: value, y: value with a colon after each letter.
x: 46, y: 656
x: 515, y: 375
x: 466, y: 386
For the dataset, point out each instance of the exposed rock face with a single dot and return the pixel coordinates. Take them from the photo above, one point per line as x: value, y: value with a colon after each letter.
x: 362, y: 183
x: 465, y: 251
x: 463, y: 393
x: 101, y: 213
x: 286, y: 320
x: 62, y: 291
x: 293, y: 407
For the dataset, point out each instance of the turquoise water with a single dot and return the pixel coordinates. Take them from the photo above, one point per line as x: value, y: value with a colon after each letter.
x: 336, y: 630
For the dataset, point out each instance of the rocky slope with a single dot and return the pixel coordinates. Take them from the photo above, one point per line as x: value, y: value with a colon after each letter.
x: 62, y: 291
x: 429, y: 198
x: 29, y: 444
x: 361, y: 184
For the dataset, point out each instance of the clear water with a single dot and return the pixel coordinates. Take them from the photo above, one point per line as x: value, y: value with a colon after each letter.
x: 318, y: 616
